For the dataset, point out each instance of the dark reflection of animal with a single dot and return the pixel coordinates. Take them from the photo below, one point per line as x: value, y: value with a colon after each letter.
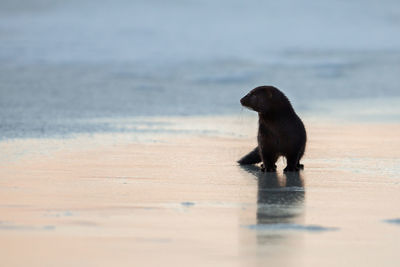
x: 280, y: 202
x: 281, y: 132
x: 279, y: 199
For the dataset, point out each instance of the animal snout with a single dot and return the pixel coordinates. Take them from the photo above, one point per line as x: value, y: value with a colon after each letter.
x: 244, y: 101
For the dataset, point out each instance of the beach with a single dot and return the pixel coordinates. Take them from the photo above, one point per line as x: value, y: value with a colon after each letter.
x: 184, y: 200
x: 121, y: 126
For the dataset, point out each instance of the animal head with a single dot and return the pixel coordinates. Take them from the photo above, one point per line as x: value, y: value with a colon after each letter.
x: 265, y: 99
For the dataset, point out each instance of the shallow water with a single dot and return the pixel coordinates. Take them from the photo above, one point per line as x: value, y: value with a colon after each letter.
x: 65, y: 63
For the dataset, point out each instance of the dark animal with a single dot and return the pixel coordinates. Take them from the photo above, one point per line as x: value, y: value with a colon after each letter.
x: 281, y: 132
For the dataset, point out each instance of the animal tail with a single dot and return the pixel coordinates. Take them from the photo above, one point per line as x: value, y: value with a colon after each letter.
x: 251, y: 158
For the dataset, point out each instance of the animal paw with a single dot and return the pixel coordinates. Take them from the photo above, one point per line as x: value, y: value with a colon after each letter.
x: 291, y: 169
x: 268, y: 169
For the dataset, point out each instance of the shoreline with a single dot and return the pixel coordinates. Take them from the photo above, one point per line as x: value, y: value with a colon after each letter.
x: 186, y: 200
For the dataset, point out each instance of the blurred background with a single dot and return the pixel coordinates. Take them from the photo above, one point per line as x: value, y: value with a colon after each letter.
x: 74, y: 66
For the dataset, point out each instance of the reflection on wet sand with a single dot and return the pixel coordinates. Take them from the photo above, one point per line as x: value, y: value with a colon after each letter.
x: 279, y: 199
x: 280, y: 203
x: 186, y: 201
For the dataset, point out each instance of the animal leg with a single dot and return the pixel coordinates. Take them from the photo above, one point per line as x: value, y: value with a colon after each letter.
x: 292, y: 163
x: 301, y: 153
x: 269, y: 160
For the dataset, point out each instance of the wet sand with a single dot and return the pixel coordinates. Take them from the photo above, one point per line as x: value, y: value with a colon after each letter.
x: 183, y: 201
